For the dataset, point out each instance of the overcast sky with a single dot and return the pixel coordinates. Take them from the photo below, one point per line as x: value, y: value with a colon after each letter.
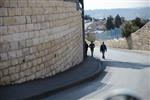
x: 109, y: 4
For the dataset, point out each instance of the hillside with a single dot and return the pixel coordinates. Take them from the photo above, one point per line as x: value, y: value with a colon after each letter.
x: 128, y: 13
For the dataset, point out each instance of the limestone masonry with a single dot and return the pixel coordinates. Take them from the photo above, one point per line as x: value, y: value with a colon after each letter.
x: 141, y: 38
x: 38, y: 38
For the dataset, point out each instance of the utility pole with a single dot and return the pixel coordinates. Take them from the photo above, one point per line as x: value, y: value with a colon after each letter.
x: 83, y: 27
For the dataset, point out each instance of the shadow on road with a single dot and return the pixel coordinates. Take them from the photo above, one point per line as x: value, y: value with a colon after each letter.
x: 80, y: 90
x: 124, y: 64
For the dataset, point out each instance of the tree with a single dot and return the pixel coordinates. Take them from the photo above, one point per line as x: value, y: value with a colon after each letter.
x: 137, y: 22
x: 118, y: 21
x: 109, y: 23
x: 127, y: 29
x: 122, y: 19
x: 87, y: 17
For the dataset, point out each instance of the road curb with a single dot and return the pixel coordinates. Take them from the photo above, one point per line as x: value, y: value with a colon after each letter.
x: 77, y: 82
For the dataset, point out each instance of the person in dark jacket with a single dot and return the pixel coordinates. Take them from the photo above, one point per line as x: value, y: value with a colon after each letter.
x: 86, y: 48
x: 103, y: 48
x: 92, y: 46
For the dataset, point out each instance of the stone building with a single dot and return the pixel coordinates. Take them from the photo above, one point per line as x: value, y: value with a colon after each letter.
x: 38, y: 38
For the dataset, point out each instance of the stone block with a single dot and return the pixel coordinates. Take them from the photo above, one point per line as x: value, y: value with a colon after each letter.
x: 22, y: 28
x: 33, y: 70
x: 36, y: 41
x: 21, y: 80
x: 5, y: 80
x: 6, y: 3
x: 41, y: 66
x: 34, y: 19
x: 3, y: 56
x: 13, y: 29
x: 22, y: 3
x: 22, y: 74
x: 17, y: 68
x: 14, y: 11
x: 1, y: 74
x: 14, y: 61
x: 29, y: 42
x: 29, y: 64
x: 3, y: 12
x: 20, y: 20
x: 31, y: 77
x: 22, y: 44
x: 7, y: 38
x: 3, y: 30
x: 29, y: 57
x: 12, y: 70
x: 4, y: 64
x: 13, y: 3
x: 26, y: 51
x: 26, y: 11
x: 14, y: 77
x: 5, y: 72
x: 44, y: 25
x: 4, y: 47
x: 24, y: 67
x: 29, y: 27
x: 31, y: 35
x: 28, y: 19
x: 12, y: 54
x: 36, y: 27
x: 19, y: 53
x: 28, y: 72
x: 1, y: 3
x: 1, y: 21
x: 9, y: 20
x: 39, y: 18
x: 32, y: 3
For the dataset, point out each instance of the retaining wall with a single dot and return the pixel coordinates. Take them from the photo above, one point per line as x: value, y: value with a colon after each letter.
x: 38, y: 38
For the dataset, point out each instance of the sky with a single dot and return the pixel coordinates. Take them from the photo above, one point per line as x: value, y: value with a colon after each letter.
x: 110, y: 4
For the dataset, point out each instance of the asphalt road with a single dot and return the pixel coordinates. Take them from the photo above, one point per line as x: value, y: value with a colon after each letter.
x: 124, y: 70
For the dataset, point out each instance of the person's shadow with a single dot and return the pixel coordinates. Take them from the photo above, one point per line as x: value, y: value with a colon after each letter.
x: 112, y: 63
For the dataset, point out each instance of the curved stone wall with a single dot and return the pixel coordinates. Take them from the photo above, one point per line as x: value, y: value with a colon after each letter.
x: 38, y: 38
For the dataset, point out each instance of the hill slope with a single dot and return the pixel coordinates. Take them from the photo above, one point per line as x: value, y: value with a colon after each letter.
x: 128, y: 13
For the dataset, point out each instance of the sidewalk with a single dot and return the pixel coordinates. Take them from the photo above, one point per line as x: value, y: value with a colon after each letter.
x: 90, y: 68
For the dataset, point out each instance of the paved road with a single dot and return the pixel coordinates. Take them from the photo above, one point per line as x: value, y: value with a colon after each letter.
x: 124, y: 70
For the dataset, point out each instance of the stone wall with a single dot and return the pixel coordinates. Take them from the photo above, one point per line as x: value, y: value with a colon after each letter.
x: 38, y: 38
x: 141, y: 38
x: 117, y: 43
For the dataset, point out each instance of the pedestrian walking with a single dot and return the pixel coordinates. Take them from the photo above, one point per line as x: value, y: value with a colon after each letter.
x: 86, y: 48
x: 103, y: 49
x: 92, y: 46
